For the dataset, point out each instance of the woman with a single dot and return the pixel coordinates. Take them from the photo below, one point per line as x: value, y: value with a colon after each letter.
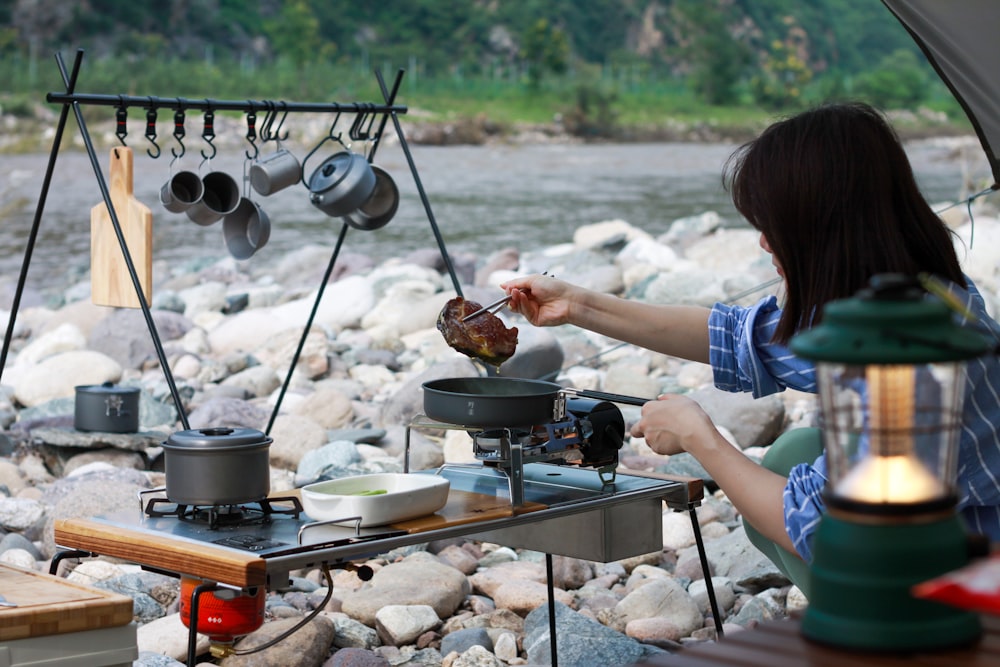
x: 834, y: 198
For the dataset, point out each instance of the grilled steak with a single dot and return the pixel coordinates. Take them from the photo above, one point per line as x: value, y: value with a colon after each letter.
x: 484, y: 337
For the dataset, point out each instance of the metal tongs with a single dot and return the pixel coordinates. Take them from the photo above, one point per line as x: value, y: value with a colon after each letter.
x: 494, y: 307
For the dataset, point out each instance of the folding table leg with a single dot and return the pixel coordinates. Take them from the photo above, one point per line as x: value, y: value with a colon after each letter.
x: 550, y: 586
x: 706, y: 571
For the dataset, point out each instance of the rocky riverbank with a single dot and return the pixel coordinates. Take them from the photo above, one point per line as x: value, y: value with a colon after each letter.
x: 229, y: 330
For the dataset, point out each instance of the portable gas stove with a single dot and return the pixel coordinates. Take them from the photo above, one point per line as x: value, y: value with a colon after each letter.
x: 583, y: 432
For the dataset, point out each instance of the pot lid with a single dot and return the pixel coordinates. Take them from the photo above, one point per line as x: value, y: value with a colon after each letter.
x: 105, y: 388
x: 216, y: 438
x: 332, y: 171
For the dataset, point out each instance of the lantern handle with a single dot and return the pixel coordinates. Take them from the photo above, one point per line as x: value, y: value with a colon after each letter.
x: 937, y: 287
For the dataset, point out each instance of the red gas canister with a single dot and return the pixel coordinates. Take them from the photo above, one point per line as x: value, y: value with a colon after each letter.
x: 223, y: 613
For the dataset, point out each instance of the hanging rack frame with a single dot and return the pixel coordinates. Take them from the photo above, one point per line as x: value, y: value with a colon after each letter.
x: 204, y: 104
x: 70, y: 100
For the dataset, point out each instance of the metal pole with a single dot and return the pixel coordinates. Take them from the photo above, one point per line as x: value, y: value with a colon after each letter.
x: 102, y: 184
x: 709, y: 588
x: 305, y: 331
x: 36, y: 223
x: 553, y: 651
x: 420, y: 189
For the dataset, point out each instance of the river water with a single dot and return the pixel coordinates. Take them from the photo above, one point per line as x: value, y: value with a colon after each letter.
x: 482, y: 197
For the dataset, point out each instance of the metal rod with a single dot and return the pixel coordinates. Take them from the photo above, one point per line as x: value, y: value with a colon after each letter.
x: 102, y: 184
x: 192, y: 654
x: 206, y: 104
x: 552, y: 610
x: 60, y: 556
x: 385, y: 117
x: 36, y: 223
x: 501, y: 302
x: 605, y: 396
x: 420, y: 189
x: 709, y: 588
x: 305, y: 331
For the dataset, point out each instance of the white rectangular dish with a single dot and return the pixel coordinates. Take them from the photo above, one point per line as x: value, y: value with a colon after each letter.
x: 378, y: 498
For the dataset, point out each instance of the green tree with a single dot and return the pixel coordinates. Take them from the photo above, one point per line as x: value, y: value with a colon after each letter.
x: 545, y: 49
x: 593, y: 114
x: 784, y: 71
x: 295, y: 33
x: 718, y: 60
x: 898, y: 81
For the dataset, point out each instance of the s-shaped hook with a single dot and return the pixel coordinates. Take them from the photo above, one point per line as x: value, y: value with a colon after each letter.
x: 208, y: 133
x: 151, y: 131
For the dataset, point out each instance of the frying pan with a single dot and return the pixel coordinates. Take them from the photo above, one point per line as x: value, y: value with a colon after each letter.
x: 502, y: 402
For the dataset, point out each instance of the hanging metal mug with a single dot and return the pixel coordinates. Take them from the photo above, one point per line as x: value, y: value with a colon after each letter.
x: 246, y: 230
x: 275, y: 172
x: 181, y: 191
x: 220, y: 198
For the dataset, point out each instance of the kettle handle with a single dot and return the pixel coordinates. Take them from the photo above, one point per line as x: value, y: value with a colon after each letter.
x: 330, y: 135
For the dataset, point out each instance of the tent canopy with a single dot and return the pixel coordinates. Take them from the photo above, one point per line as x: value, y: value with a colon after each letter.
x: 959, y: 38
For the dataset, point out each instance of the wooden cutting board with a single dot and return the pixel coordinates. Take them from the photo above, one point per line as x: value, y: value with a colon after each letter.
x: 461, y: 507
x: 110, y: 282
x: 465, y: 507
x: 48, y: 605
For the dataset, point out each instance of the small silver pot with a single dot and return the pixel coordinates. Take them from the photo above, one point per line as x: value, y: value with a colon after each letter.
x: 341, y: 183
x: 380, y: 207
x: 217, y: 466
x: 106, y: 407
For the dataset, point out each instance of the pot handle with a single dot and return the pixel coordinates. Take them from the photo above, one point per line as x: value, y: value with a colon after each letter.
x: 604, y: 396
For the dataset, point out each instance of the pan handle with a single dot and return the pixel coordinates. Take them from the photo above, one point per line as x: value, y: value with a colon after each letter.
x: 604, y: 396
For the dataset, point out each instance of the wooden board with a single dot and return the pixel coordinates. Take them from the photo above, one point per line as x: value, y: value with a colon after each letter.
x: 162, y: 551
x: 466, y: 507
x: 48, y: 605
x: 110, y: 282
x: 695, y: 485
x: 461, y: 507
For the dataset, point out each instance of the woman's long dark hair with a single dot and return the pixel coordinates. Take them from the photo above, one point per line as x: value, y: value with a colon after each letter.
x: 833, y: 193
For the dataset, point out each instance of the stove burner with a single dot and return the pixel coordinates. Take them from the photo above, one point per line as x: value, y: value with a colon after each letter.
x: 493, y: 440
x: 220, y: 516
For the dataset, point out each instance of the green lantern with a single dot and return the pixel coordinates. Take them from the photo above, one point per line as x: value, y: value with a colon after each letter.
x: 890, y: 371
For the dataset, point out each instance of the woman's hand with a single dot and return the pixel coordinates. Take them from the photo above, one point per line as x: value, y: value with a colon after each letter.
x: 542, y: 300
x: 678, y: 331
x: 673, y: 424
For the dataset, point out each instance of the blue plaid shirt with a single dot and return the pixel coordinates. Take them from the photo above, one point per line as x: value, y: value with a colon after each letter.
x: 743, y: 358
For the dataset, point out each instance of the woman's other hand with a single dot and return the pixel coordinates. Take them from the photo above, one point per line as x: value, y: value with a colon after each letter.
x: 673, y: 424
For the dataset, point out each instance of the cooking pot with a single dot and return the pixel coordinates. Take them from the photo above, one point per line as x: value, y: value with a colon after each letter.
x: 498, y: 402
x: 341, y: 183
x: 217, y: 466
x: 106, y: 407
x: 380, y: 207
